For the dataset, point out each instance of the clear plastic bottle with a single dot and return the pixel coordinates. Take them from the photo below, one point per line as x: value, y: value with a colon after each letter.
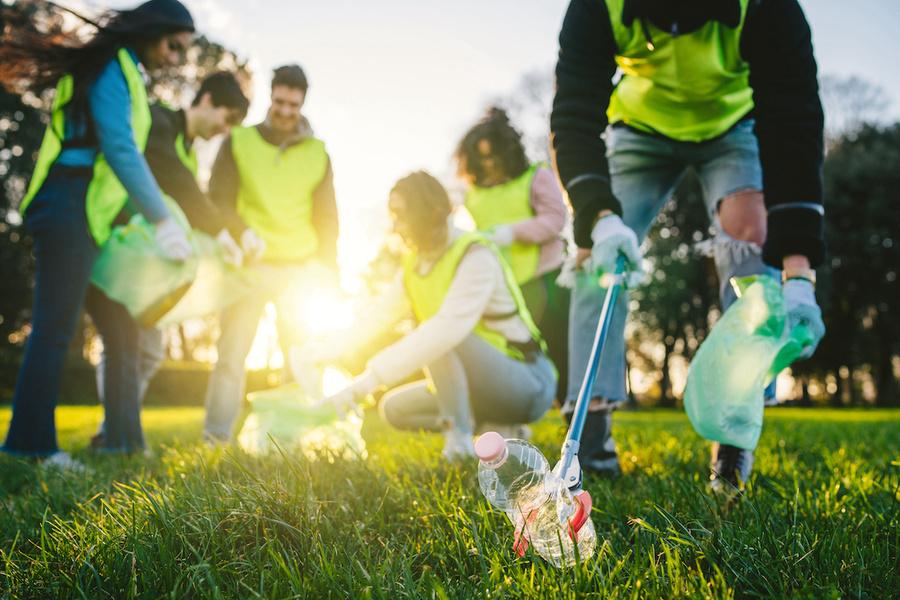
x: 515, y: 477
x: 511, y: 473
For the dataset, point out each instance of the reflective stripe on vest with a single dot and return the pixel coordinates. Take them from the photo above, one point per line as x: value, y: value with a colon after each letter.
x: 505, y: 204
x: 427, y: 292
x: 275, y: 197
x: 690, y: 87
x: 106, y: 195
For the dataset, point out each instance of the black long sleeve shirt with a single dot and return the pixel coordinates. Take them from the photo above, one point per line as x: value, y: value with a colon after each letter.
x: 225, y: 182
x: 777, y: 45
x: 173, y: 176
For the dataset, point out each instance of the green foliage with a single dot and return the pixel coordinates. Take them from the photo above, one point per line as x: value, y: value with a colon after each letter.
x: 858, y: 288
x: 675, y: 308
x: 820, y: 520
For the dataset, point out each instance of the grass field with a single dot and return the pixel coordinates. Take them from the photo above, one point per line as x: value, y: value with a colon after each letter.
x: 821, y: 520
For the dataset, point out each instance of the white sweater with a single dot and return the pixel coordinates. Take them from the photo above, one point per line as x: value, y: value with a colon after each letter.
x: 478, y: 288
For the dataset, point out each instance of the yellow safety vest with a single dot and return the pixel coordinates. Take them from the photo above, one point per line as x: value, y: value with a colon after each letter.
x: 505, y: 204
x: 690, y: 87
x: 275, y: 197
x: 106, y: 195
x: 427, y: 292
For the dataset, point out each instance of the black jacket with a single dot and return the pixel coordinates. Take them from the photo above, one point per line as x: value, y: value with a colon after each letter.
x: 225, y: 183
x: 173, y: 176
x: 777, y: 45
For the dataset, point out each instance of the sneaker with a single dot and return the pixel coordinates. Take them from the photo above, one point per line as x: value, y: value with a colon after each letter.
x: 457, y: 445
x: 731, y: 468
x: 63, y: 461
x: 597, y: 452
x: 510, y: 431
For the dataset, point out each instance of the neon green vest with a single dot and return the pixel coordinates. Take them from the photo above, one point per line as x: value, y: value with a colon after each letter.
x: 427, y: 292
x: 187, y: 157
x: 276, y: 192
x: 106, y: 195
x: 691, y: 87
x: 505, y: 204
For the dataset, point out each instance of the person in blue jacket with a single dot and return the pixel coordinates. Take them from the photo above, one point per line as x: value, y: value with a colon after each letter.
x: 90, y: 166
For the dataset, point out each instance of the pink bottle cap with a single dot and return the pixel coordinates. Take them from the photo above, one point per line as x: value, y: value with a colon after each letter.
x: 490, y: 446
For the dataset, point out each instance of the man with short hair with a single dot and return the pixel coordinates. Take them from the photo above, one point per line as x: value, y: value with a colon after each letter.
x: 273, y: 181
x: 726, y: 88
x: 219, y: 103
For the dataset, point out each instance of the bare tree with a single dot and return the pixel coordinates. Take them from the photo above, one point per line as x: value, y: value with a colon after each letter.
x: 851, y: 102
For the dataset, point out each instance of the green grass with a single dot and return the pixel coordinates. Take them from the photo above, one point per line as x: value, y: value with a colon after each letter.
x: 821, y: 519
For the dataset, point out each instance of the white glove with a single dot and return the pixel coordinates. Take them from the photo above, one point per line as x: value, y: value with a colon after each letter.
x: 348, y: 399
x: 502, y: 235
x: 566, y: 278
x: 252, y: 245
x: 231, y: 252
x: 172, y: 240
x: 612, y: 237
x: 802, y: 309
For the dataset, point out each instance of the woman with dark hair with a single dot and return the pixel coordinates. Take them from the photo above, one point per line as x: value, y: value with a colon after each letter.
x: 90, y: 167
x: 484, y: 355
x: 520, y: 207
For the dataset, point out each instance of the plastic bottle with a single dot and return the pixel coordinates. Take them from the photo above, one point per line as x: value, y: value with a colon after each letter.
x: 515, y: 477
x: 511, y: 473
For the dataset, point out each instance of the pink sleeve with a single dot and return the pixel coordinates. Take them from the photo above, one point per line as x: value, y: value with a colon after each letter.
x: 549, y: 208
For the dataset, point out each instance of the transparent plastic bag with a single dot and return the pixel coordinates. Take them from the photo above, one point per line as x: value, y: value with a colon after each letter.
x: 746, y: 349
x: 294, y: 420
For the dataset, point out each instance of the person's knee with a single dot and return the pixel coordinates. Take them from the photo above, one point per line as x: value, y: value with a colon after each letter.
x: 388, y: 411
x: 743, y: 216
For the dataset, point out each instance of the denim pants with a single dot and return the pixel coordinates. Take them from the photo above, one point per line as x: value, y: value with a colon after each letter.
x: 238, y: 324
x: 473, y: 384
x: 131, y: 356
x: 64, y: 255
x: 644, y: 172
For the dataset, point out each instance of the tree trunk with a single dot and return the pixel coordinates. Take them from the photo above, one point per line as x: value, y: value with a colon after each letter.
x: 837, y: 398
x: 805, y: 399
x: 855, y: 399
x: 666, y: 398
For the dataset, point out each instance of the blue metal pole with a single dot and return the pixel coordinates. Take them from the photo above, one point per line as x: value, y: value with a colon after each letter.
x: 573, y: 437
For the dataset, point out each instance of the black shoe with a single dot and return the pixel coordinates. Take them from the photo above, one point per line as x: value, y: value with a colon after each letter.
x: 731, y: 468
x: 597, y: 452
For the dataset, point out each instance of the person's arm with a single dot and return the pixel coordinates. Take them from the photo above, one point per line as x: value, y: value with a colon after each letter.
x: 584, y: 75
x: 224, y: 182
x: 549, y: 211
x: 777, y: 44
x: 173, y: 176
x: 110, y: 106
x: 476, y: 276
x: 325, y: 219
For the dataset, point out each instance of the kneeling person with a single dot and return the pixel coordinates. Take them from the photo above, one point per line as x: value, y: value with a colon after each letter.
x: 484, y: 356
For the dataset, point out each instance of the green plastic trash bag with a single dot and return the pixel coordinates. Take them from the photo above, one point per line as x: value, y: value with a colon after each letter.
x: 217, y: 284
x: 132, y: 270
x: 157, y: 291
x: 746, y: 349
x: 293, y: 420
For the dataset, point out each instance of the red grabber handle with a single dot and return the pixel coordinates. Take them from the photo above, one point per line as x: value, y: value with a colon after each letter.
x: 581, y: 516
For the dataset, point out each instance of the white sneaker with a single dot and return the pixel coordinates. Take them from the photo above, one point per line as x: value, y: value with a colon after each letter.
x: 457, y: 445
x: 63, y: 461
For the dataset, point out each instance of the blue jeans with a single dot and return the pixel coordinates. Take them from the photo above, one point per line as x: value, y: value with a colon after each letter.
x: 151, y: 352
x: 473, y: 383
x: 644, y: 172
x: 121, y: 372
x: 64, y: 255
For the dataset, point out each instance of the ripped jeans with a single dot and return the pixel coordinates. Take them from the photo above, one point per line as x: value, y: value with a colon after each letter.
x: 644, y: 171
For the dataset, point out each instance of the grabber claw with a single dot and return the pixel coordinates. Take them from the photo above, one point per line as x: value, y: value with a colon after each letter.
x: 582, y: 514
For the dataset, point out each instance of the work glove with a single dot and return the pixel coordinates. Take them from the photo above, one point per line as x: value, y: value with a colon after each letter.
x: 612, y: 237
x: 802, y: 309
x: 502, y: 235
x: 231, y: 252
x: 252, y: 245
x: 172, y: 240
x: 349, y: 399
